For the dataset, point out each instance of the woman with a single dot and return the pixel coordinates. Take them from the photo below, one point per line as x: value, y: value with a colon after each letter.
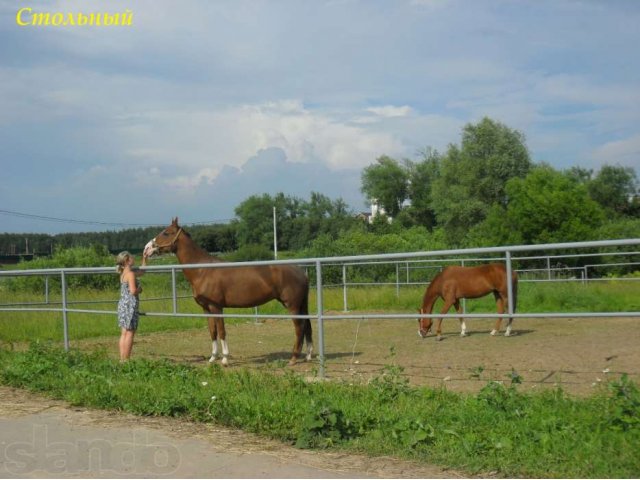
x: 129, y: 302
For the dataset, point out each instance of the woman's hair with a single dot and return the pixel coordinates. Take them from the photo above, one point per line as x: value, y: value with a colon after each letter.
x: 121, y: 259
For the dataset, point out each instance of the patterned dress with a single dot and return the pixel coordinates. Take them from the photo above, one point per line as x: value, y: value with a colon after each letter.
x: 128, y: 307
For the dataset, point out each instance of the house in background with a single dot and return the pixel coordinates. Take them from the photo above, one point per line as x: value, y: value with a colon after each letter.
x: 375, y: 211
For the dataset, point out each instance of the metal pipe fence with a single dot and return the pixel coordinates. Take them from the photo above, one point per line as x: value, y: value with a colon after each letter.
x: 505, y: 253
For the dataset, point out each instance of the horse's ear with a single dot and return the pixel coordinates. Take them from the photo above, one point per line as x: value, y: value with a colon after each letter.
x: 174, y: 221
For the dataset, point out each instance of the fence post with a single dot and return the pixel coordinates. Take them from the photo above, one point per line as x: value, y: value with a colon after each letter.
x: 509, y: 283
x: 65, y: 319
x: 344, y: 287
x: 464, y: 300
x: 173, y: 290
x: 320, y: 309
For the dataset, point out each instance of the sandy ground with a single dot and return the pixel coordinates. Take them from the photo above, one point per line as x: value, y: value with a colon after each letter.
x: 43, y: 438
x: 575, y: 354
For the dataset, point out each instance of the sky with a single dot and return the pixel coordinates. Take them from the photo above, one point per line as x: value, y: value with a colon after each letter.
x: 199, y: 104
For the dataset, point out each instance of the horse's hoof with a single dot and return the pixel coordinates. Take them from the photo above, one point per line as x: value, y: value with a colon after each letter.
x: 439, y: 338
x: 493, y: 333
x: 225, y: 362
x: 308, y: 358
x: 464, y: 334
x: 212, y: 359
x: 510, y: 334
x: 292, y: 362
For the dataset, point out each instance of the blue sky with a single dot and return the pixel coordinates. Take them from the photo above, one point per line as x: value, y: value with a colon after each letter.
x: 200, y: 104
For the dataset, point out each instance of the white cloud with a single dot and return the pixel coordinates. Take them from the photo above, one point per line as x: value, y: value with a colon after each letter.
x: 205, y: 140
x: 625, y: 152
x: 391, y: 111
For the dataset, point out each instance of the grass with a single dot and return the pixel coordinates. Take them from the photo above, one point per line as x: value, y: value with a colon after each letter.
x: 500, y: 429
x: 533, y: 298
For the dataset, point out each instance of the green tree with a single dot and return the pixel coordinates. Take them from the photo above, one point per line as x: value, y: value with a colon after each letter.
x: 386, y: 183
x: 298, y: 222
x: 550, y: 206
x: 473, y: 177
x: 215, y: 238
x: 254, y: 224
x: 615, y: 188
x: 422, y: 176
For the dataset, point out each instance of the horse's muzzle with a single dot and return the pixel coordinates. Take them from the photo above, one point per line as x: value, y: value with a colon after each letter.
x: 150, y: 249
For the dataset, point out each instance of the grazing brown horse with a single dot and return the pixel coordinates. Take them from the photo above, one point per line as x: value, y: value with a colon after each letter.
x: 454, y: 283
x: 242, y: 286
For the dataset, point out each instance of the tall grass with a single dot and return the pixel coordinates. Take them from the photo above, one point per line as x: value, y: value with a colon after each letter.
x: 546, y: 434
x: 610, y: 296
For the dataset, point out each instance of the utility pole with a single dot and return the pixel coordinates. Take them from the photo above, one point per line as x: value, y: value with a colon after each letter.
x: 275, y: 236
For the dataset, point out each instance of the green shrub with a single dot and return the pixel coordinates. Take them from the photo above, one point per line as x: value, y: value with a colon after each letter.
x: 94, y: 256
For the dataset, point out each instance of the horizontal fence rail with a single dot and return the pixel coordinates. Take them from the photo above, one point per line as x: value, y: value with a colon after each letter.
x: 412, y: 261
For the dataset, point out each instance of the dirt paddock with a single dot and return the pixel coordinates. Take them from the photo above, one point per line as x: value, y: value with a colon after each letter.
x: 574, y: 353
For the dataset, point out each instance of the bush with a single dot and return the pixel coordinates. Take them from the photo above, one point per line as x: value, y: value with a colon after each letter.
x: 93, y: 256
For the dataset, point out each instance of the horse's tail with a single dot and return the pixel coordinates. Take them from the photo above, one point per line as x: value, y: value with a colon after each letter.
x: 514, y: 289
x: 304, y: 310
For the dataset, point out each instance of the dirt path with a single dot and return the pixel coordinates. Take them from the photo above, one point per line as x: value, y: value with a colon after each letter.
x: 43, y: 438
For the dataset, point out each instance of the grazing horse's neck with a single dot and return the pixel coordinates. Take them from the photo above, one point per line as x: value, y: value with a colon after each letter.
x: 430, y: 297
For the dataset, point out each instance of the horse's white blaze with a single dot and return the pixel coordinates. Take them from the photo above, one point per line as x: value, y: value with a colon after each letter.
x: 149, y: 249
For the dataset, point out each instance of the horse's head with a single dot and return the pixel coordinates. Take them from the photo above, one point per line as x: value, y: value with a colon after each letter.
x: 424, y: 325
x: 165, y: 241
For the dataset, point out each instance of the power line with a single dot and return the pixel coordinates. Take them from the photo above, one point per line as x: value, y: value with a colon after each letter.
x: 97, y: 222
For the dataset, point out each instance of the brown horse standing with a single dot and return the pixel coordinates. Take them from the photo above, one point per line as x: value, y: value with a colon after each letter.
x: 454, y: 283
x: 242, y: 286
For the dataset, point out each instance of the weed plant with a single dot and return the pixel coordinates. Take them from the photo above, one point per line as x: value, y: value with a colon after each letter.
x: 546, y: 434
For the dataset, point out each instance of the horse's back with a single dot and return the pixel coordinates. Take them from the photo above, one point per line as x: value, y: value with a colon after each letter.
x: 470, y: 282
x: 244, y: 286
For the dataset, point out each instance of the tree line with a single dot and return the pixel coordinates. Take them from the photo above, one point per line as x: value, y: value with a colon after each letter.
x: 485, y: 191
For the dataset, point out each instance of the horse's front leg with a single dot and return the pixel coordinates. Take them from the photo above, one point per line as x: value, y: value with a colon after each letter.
x: 445, y: 309
x: 463, y: 325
